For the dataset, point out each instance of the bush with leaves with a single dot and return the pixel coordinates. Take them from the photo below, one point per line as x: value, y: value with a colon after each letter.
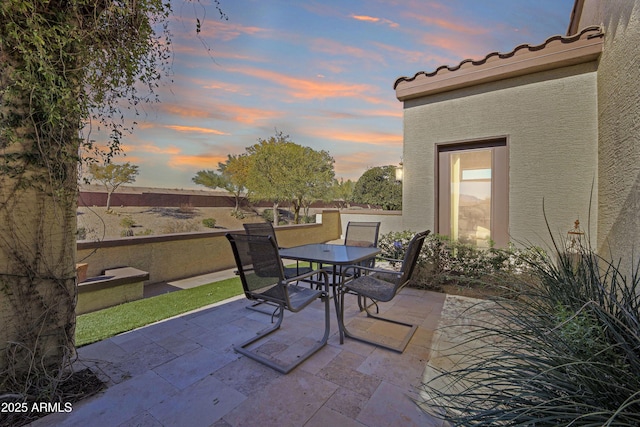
x: 209, y: 222
x: 445, y: 261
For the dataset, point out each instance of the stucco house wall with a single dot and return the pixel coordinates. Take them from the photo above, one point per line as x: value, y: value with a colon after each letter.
x: 550, y: 121
x: 619, y: 125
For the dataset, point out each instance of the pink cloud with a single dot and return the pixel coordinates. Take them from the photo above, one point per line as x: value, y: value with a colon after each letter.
x: 333, y: 47
x: 227, y: 112
x: 195, y: 129
x: 363, y: 137
x: 412, y: 56
x: 451, y: 25
x: 306, y: 89
x: 375, y: 20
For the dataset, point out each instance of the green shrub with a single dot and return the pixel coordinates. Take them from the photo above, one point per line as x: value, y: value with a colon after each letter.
x: 238, y: 214
x: 267, y: 215
x: 444, y: 261
x: 209, y: 222
x: 145, y: 232
x: 127, y: 222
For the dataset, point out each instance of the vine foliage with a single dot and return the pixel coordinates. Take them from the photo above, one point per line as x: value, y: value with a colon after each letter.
x: 67, y: 67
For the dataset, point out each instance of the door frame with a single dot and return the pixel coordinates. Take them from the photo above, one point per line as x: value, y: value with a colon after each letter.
x: 500, y: 177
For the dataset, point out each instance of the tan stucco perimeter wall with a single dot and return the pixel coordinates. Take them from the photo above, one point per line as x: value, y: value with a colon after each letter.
x: 178, y: 256
x: 550, y: 120
x: 389, y: 220
x: 619, y: 120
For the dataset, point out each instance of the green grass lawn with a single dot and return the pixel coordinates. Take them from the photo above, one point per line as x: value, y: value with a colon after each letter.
x: 99, y: 325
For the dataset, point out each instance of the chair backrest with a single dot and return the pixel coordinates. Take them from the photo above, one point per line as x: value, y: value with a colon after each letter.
x: 411, y: 258
x: 259, y: 267
x: 260, y: 229
x: 362, y: 234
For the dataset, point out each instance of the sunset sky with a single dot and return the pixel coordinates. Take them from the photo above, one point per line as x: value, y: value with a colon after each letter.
x: 319, y: 71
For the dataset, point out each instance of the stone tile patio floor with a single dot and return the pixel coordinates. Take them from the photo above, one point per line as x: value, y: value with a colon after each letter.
x: 184, y: 372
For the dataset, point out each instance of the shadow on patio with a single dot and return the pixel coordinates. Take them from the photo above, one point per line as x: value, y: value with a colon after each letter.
x: 184, y: 371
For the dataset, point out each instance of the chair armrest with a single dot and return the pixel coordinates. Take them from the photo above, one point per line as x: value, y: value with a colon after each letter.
x: 367, y: 270
x: 309, y: 274
x: 389, y: 259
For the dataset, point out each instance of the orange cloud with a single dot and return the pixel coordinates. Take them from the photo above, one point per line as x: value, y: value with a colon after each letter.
x: 372, y: 138
x: 201, y: 161
x: 247, y: 115
x: 181, y: 111
x: 195, y: 129
x: 366, y: 18
x: 150, y: 148
x: 306, y: 89
x: 228, y: 112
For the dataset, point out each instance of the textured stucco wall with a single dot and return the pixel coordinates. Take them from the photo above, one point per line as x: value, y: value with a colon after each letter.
x: 550, y: 120
x: 619, y: 131
x: 177, y: 256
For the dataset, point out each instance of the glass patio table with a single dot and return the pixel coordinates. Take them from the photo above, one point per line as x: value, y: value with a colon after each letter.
x: 334, y: 255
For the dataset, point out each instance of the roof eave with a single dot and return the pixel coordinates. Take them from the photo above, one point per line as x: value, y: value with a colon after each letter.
x: 555, y: 53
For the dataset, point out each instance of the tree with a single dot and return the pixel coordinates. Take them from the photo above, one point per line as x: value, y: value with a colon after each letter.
x: 62, y: 64
x: 283, y: 171
x: 378, y: 186
x: 343, y: 192
x: 231, y: 176
x: 311, y: 178
x: 112, y: 176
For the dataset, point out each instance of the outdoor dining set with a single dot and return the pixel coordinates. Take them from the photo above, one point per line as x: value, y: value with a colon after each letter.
x: 324, y: 272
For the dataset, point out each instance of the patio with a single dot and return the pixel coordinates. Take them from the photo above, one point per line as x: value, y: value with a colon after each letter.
x: 184, y: 371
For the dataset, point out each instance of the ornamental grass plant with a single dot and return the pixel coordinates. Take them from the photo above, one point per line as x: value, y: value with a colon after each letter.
x: 565, y: 352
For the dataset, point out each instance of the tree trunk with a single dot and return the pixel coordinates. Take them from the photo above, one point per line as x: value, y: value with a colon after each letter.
x: 276, y: 214
x: 109, y: 200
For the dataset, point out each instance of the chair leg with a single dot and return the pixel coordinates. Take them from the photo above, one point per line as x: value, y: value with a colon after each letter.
x: 284, y: 369
x: 362, y: 304
x: 255, y: 306
x: 344, y: 332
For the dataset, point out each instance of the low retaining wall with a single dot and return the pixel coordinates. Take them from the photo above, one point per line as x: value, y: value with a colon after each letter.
x: 115, y: 286
x: 177, y: 256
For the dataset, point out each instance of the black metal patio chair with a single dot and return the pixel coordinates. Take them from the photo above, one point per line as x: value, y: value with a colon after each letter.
x: 364, y: 234
x: 262, y: 276
x: 266, y: 229
x: 380, y: 285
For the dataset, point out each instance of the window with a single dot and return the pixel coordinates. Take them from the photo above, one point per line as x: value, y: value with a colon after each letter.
x: 473, y: 192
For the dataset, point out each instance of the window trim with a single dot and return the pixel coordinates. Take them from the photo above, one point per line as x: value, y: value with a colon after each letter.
x: 499, y: 204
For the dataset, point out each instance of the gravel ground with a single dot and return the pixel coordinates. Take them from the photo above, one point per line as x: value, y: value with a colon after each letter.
x: 95, y: 223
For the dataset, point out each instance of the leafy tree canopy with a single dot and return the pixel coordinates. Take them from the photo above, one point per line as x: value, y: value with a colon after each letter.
x: 112, y: 176
x: 231, y: 176
x: 283, y: 171
x: 378, y: 186
x: 342, y: 192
